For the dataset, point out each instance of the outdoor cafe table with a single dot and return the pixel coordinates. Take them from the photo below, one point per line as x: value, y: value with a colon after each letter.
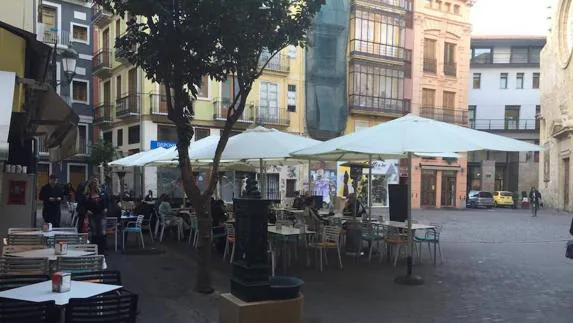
x: 42, y: 292
x: 49, y: 253
x: 287, y: 232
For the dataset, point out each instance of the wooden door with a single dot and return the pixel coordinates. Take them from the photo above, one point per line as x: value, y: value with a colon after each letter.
x: 566, y: 183
x: 107, y: 100
x: 132, y: 91
x: 77, y: 174
x: 449, y: 189
x: 105, y: 40
x: 428, y: 189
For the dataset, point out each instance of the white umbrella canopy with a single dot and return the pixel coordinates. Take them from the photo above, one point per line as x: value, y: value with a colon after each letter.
x: 172, y: 155
x: 410, y: 134
x: 150, y: 155
x: 125, y: 161
x: 257, y: 143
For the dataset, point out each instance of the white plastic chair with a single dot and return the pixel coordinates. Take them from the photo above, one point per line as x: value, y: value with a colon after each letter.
x: 193, y: 231
x: 229, y: 239
x: 330, y: 240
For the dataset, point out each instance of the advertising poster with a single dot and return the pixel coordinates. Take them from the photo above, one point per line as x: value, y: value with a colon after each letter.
x: 17, y: 193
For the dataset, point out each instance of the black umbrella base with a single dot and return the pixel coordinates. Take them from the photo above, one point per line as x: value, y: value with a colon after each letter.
x: 409, y: 280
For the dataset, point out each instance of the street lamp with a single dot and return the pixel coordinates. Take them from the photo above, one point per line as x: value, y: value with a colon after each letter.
x: 69, y: 60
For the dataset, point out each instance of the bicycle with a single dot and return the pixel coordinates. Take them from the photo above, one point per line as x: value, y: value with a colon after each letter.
x: 534, y: 208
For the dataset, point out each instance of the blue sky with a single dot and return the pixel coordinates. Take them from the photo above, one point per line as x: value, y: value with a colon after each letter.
x: 510, y: 17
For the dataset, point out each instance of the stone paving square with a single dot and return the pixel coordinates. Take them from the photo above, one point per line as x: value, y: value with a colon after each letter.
x: 500, y: 266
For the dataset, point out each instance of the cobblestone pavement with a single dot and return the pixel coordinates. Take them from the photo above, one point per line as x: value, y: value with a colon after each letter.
x: 499, y: 266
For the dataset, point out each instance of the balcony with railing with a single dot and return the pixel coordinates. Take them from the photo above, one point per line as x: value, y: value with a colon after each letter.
x: 158, y: 104
x: 374, y: 49
x: 103, y: 113
x: 267, y: 116
x: 399, y: 4
x: 430, y: 65
x: 52, y: 36
x: 100, y: 16
x: 450, y: 115
x: 221, y: 106
x: 128, y: 105
x: 101, y: 63
x: 506, y: 59
x: 450, y: 69
x: 504, y: 124
x: 279, y: 63
x: 42, y: 149
x: 82, y: 147
x: 378, y: 105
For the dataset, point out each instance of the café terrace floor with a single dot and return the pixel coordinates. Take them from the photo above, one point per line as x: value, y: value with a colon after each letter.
x: 500, y: 266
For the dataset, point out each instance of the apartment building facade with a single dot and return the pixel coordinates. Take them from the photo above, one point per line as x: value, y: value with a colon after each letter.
x: 505, y: 100
x: 65, y: 24
x: 131, y: 111
x: 440, y: 68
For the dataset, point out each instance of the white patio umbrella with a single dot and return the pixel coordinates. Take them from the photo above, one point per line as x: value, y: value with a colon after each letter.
x: 407, y: 136
x: 150, y: 155
x: 172, y: 155
x: 122, y: 162
x: 255, y: 144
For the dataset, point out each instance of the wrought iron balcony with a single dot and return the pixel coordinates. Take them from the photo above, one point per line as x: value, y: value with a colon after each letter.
x: 368, y: 48
x: 101, y: 63
x: 450, y: 115
x: 430, y: 65
x: 266, y: 116
x: 400, y: 4
x: 100, y: 16
x: 279, y: 63
x: 506, y: 59
x: 42, y: 146
x: 372, y: 104
x: 128, y: 105
x: 103, y: 113
x: 82, y: 147
x: 450, y: 69
x: 504, y: 124
x: 51, y: 36
x: 221, y: 106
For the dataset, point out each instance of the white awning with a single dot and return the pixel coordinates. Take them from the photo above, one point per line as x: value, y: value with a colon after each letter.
x: 7, y: 87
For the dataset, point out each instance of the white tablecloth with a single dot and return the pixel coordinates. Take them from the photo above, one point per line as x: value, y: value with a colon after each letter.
x: 42, y: 292
x: 287, y: 231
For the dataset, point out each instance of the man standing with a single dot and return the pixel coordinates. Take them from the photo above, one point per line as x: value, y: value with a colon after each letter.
x: 52, y: 197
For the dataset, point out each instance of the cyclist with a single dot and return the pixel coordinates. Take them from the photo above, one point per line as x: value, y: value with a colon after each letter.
x: 534, y: 198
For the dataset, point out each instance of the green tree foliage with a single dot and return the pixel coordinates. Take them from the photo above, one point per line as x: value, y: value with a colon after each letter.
x: 177, y: 42
x: 102, y: 153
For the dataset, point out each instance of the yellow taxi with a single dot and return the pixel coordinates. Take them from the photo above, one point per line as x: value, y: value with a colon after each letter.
x: 502, y: 198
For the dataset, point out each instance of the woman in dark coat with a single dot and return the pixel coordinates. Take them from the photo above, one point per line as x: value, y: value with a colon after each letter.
x: 96, y: 208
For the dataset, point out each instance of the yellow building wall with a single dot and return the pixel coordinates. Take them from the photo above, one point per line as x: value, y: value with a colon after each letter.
x: 18, y: 13
x: 13, y: 59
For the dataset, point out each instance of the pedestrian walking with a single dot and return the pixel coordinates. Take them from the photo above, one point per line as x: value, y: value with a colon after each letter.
x: 96, y: 209
x: 52, y: 197
x: 534, y: 198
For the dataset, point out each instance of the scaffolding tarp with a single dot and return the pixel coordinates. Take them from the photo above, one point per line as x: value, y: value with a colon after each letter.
x: 326, y: 65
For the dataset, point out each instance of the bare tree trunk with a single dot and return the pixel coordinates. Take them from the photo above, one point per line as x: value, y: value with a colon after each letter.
x: 203, y: 278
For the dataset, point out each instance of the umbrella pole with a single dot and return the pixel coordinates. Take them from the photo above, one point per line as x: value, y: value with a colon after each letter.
x: 263, y: 186
x: 409, y: 279
x: 309, y: 177
x: 369, y: 187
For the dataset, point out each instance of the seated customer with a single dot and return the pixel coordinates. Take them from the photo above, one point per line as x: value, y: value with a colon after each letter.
x: 218, y: 212
x: 166, y: 214
x: 298, y: 203
x: 311, y: 216
x: 353, y: 205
